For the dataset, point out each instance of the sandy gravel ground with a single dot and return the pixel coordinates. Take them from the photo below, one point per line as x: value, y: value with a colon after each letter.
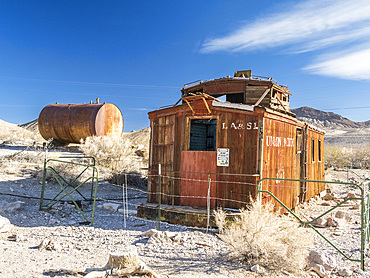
x: 75, y: 246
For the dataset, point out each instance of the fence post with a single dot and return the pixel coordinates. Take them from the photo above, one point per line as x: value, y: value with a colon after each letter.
x: 208, y: 199
x: 159, y: 196
x: 363, y: 216
x: 124, y: 201
x: 43, y: 180
x: 173, y: 189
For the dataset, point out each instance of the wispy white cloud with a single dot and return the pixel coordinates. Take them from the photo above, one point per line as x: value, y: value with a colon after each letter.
x: 353, y: 65
x: 307, y: 21
x: 310, y: 26
x: 139, y: 109
x: 343, y: 37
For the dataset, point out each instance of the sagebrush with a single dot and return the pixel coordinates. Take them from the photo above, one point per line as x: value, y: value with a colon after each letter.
x: 357, y: 156
x: 261, y: 236
x: 14, y: 135
x: 119, y: 156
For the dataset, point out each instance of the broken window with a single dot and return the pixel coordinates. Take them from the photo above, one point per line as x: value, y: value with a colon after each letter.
x: 274, y: 93
x: 313, y: 150
x: 319, y: 149
x: 235, y: 98
x: 203, y: 134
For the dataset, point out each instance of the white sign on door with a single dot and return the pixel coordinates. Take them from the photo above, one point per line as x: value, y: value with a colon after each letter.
x: 223, y: 157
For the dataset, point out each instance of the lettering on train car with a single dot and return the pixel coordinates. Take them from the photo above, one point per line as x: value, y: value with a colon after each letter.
x: 272, y: 141
x: 247, y: 126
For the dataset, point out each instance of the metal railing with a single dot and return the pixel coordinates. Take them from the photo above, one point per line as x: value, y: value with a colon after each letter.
x: 365, y: 203
x: 67, y: 188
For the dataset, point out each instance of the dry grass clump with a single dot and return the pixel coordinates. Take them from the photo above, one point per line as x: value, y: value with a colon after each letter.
x: 261, y: 236
x: 14, y: 135
x: 22, y: 161
x: 67, y: 171
x: 119, y: 156
x: 353, y: 156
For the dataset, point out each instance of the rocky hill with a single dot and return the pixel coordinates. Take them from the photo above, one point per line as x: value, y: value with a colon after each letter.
x: 339, y: 130
x: 326, y: 119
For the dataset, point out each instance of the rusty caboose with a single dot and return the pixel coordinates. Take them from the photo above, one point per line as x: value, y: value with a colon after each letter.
x: 235, y: 143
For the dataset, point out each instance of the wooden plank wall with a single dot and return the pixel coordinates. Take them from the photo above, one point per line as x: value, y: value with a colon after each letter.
x: 315, y: 168
x: 237, y: 131
x: 162, y: 152
x: 279, y: 159
x: 241, y: 132
x: 253, y: 94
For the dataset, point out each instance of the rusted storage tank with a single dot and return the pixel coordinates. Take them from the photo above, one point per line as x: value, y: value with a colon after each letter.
x: 69, y: 123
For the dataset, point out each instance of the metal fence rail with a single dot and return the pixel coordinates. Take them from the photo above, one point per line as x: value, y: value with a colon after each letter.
x: 365, y: 201
x: 67, y: 188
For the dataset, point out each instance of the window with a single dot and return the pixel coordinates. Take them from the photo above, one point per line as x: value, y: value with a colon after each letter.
x: 203, y: 135
x: 235, y: 98
x: 319, y: 149
x: 313, y: 150
x: 274, y: 93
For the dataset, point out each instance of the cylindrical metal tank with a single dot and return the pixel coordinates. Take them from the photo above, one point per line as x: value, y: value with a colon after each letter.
x: 69, y: 123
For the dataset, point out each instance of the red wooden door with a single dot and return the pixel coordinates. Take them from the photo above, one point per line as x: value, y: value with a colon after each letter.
x: 195, y: 167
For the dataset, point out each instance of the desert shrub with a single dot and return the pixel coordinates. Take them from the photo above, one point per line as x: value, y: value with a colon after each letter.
x: 119, y: 156
x: 261, y: 236
x: 357, y: 156
x: 15, y: 135
x: 22, y: 161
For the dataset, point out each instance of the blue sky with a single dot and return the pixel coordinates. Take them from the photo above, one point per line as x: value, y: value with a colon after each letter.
x: 138, y: 54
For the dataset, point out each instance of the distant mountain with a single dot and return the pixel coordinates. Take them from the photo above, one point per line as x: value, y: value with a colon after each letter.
x: 32, y: 126
x: 339, y: 130
x: 367, y: 123
x: 326, y: 120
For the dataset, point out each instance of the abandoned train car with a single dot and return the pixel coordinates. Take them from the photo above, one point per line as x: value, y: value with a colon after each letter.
x: 235, y: 143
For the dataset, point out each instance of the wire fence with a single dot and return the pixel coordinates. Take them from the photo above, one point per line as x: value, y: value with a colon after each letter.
x: 238, y: 180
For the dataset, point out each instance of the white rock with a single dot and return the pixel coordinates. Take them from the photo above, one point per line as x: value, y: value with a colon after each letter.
x: 169, y: 234
x: 332, y: 222
x: 320, y: 223
x: 149, y: 232
x: 255, y: 268
x: 11, y: 207
x: 19, y: 238
x: 111, y: 206
x: 344, y: 272
x: 329, y: 197
x: 178, y: 238
x: 342, y: 214
x: 323, y: 193
x: 44, y: 243
x: 320, y: 270
x: 351, y: 195
x: 5, y: 225
x: 316, y: 258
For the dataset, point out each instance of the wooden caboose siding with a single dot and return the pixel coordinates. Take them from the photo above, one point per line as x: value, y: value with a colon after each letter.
x: 162, y: 142
x: 253, y: 94
x: 169, y: 137
x: 238, y: 131
x: 315, y: 168
x: 262, y: 143
x: 279, y: 158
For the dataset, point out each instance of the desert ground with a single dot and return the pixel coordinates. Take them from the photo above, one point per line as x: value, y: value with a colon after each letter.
x: 56, y: 242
